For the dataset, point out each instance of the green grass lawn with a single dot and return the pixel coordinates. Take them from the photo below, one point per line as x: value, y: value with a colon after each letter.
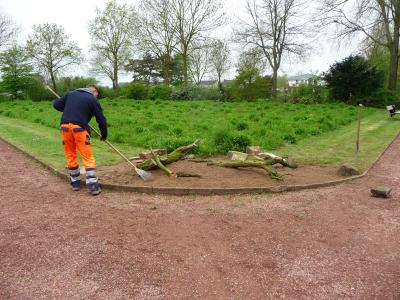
x: 322, y: 134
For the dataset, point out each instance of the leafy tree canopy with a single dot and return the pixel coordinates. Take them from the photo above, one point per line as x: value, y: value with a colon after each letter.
x: 352, y: 78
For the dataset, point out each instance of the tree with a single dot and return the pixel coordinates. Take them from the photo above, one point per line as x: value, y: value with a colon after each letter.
x: 368, y: 17
x: 251, y: 58
x: 51, y: 50
x: 69, y: 83
x: 16, y: 71
x: 157, y: 33
x: 219, y: 60
x: 8, y: 30
x: 351, y: 78
x: 276, y: 27
x: 111, y: 33
x: 147, y: 69
x: 199, y: 63
x: 250, y: 85
x: 194, y: 19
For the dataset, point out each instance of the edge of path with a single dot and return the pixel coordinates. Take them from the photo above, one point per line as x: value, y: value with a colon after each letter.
x: 204, y: 191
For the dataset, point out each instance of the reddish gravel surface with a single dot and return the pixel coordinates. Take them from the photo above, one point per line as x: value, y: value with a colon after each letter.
x: 329, y: 243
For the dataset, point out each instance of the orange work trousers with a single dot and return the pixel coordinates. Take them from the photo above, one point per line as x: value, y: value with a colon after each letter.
x: 75, y: 137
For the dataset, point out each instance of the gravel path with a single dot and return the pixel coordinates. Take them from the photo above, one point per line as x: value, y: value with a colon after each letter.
x: 328, y: 243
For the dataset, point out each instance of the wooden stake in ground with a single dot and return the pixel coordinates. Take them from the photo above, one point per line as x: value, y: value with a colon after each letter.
x: 360, y: 106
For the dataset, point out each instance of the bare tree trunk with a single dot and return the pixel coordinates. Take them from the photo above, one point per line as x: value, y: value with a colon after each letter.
x: 166, y: 69
x: 394, y: 58
x: 185, y: 65
x: 115, y: 81
x: 53, y: 80
x: 274, y: 82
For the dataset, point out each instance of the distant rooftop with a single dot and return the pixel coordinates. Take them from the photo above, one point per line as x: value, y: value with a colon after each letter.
x: 300, y: 77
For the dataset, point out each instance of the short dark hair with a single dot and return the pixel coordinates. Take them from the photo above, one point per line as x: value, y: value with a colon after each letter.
x: 94, y: 86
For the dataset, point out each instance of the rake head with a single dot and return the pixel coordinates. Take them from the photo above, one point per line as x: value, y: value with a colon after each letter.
x: 143, y: 174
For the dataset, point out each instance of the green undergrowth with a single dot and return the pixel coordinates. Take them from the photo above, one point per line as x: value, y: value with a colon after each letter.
x: 322, y: 134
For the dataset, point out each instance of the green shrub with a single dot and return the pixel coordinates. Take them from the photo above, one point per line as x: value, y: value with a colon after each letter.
x: 225, y: 141
x: 66, y: 84
x: 183, y: 93
x: 380, y: 98
x: 160, y: 92
x: 136, y: 91
x: 242, y: 126
x: 249, y: 85
x: 308, y: 94
x: 289, y: 138
x: 352, y: 78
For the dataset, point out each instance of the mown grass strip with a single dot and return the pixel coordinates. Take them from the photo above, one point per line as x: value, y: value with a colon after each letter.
x: 45, y: 143
x: 333, y: 148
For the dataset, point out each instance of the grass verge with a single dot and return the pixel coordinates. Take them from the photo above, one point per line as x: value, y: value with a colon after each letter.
x: 326, y: 149
x: 45, y: 143
x: 338, y: 146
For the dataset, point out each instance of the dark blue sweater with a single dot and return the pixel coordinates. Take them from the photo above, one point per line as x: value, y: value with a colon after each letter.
x: 78, y: 107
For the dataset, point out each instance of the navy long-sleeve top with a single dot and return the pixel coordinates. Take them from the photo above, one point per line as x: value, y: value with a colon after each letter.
x: 78, y: 107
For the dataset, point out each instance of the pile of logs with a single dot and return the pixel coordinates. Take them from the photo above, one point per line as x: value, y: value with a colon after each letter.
x: 253, y: 158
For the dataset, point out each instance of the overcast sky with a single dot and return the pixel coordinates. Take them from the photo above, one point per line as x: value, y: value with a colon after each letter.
x: 74, y: 16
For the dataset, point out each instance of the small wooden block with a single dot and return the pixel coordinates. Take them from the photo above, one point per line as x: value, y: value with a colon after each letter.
x: 235, y: 155
x: 253, y: 150
x: 381, y: 191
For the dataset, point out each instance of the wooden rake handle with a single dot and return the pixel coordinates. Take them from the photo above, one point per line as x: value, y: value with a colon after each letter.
x: 113, y: 147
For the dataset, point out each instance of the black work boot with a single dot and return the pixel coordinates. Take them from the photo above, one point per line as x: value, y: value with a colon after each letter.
x: 94, y: 189
x: 76, y: 185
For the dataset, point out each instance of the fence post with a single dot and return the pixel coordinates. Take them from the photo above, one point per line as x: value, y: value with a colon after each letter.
x: 360, y: 106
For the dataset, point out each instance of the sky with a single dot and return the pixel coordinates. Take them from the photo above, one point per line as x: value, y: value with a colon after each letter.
x: 74, y: 16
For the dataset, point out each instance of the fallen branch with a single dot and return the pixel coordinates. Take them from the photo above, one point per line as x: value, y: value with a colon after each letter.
x: 174, y: 156
x: 156, y: 160
x: 265, y: 165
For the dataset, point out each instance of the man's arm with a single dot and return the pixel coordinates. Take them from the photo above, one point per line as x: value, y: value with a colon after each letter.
x: 59, y: 103
x: 101, y: 120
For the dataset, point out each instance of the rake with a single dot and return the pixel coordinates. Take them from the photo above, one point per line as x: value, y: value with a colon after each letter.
x: 142, y: 173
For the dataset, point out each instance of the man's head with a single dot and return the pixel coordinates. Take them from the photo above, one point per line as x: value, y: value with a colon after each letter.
x: 95, y: 91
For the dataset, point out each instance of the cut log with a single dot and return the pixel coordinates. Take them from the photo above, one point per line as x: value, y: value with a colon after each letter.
x: 275, y: 159
x: 174, y: 156
x: 247, y: 164
x: 235, y: 155
x: 148, y: 153
x: 187, y: 174
x: 253, y: 150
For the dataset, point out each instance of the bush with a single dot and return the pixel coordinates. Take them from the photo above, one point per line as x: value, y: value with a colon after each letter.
x: 225, y: 141
x: 67, y: 84
x: 380, y: 98
x: 249, y: 85
x: 160, y: 92
x: 308, y: 94
x: 136, y: 91
x: 183, y: 93
x: 353, y: 78
x: 107, y: 92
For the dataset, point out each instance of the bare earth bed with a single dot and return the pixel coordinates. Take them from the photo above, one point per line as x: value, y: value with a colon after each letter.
x: 327, y: 243
x: 216, y: 177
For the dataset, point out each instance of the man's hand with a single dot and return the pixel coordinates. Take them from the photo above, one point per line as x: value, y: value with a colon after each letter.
x: 103, y: 138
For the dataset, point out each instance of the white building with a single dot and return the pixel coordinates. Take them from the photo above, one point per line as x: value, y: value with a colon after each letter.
x: 300, y: 79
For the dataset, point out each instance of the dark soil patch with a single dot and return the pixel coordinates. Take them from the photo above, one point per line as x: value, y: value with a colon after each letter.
x: 217, y: 177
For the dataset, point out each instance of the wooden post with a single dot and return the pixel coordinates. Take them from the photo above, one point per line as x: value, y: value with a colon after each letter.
x: 360, y: 106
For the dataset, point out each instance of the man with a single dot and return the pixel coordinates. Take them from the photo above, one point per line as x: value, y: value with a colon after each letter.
x: 78, y: 107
